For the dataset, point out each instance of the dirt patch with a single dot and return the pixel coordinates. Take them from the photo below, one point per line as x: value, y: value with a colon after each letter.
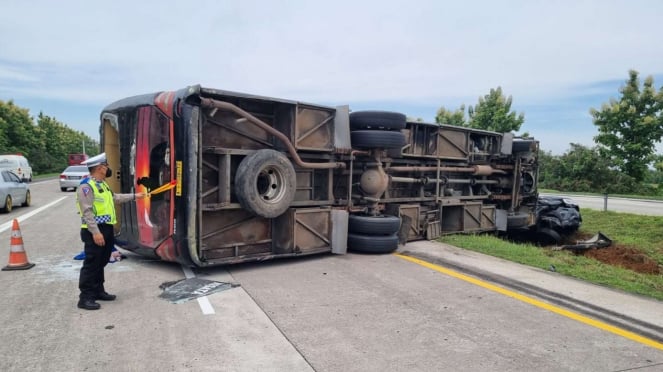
x: 622, y: 256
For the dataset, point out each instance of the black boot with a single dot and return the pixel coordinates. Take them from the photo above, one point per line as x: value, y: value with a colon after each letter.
x: 105, y: 296
x: 88, y: 304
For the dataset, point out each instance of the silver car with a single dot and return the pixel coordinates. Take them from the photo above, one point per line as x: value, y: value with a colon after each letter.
x: 71, y: 177
x: 13, y: 191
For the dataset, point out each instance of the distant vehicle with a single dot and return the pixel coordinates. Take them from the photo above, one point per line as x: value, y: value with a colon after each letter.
x: 18, y: 164
x: 13, y: 191
x: 71, y: 177
x: 76, y: 159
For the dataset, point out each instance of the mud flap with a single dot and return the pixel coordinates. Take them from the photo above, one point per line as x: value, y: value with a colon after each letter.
x: 339, y: 233
x: 433, y: 229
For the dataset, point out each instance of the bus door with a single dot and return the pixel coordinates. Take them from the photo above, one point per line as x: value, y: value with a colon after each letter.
x: 154, y: 169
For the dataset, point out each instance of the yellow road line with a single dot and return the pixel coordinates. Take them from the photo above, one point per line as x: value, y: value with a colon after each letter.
x: 558, y: 310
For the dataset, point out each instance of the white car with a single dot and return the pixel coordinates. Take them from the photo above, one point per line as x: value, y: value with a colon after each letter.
x: 18, y: 164
x: 13, y: 191
x: 71, y: 177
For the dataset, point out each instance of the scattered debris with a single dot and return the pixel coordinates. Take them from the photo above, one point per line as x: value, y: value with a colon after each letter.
x: 597, y: 241
x: 188, y: 289
x: 615, y: 255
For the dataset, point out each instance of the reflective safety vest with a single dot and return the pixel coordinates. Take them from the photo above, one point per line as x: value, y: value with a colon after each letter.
x: 103, y: 206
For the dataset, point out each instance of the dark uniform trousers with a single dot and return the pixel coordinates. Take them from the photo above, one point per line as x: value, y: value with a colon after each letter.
x: 91, y: 281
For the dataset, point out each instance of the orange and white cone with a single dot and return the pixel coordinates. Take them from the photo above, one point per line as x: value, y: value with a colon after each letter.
x: 18, y: 259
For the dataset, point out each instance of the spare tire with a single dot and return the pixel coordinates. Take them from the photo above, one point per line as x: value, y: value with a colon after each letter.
x: 373, y: 225
x: 265, y: 183
x: 377, y: 139
x: 384, y: 120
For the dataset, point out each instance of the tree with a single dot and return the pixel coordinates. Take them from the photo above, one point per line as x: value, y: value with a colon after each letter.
x: 583, y: 169
x: 16, y: 129
x: 630, y: 127
x: 493, y: 112
x: 46, y: 144
x: 456, y: 118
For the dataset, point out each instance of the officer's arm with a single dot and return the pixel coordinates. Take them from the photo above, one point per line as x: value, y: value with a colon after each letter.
x: 123, y: 198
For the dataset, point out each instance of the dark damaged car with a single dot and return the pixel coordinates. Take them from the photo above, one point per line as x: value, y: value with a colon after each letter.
x: 557, y: 220
x: 557, y: 217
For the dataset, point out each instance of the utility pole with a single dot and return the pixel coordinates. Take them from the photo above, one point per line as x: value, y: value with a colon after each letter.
x: 84, y: 147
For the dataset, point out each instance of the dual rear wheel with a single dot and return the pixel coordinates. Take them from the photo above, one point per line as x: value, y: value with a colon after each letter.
x: 265, y: 181
x: 373, y: 234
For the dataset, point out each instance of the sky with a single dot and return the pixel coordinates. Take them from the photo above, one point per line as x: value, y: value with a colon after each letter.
x: 556, y: 59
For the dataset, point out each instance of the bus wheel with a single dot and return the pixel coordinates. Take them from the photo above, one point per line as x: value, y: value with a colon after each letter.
x: 377, y: 225
x: 377, y: 120
x: 377, y: 139
x: 372, y: 243
x: 265, y: 183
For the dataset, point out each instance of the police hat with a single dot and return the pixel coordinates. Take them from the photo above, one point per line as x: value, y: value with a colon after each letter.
x: 96, y: 160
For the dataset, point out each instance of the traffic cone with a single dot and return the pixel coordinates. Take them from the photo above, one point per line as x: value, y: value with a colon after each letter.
x: 18, y: 259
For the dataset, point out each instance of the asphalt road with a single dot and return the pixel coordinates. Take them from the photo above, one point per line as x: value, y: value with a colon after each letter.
x: 431, y: 307
x: 622, y: 205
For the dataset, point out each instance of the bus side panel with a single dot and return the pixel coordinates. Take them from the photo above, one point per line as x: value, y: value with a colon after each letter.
x: 234, y: 233
x: 229, y: 236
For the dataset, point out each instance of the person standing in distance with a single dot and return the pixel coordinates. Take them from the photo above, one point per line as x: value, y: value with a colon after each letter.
x: 95, y: 202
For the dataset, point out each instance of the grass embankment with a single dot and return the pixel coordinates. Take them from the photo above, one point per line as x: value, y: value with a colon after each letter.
x: 641, y: 233
x: 45, y: 176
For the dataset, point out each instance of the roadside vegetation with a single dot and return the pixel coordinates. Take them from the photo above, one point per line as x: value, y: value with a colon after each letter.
x: 44, y: 141
x: 637, y: 240
x: 624, y: 162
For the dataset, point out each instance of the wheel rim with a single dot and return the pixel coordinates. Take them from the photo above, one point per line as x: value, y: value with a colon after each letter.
x: 27, y: 198
x: 271, y: 185
x: 8, y: 204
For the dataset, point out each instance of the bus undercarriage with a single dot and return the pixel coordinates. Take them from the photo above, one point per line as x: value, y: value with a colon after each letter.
x: 259, y: 178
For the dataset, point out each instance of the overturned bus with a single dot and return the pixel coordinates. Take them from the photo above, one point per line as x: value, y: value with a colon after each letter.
x: 256, y: 178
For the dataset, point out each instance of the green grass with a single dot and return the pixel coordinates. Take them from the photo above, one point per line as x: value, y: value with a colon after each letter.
x: 643, y: 233
x: 45, y: 176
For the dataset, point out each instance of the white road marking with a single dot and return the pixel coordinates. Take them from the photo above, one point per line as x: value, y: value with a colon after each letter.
x: 204, y: 303
x: 7, y: 225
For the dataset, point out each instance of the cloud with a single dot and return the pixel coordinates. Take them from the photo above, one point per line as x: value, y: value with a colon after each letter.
x: 352, y: 50
x: 418, y: 53
x: 15, y: 75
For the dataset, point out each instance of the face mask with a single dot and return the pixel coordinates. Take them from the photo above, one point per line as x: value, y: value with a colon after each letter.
x: 109, y: 172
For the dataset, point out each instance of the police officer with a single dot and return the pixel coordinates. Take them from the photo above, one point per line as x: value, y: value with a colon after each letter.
x: 95, y: 202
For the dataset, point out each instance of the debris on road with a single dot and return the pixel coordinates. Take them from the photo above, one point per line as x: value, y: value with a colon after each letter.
x: 188, y: 289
